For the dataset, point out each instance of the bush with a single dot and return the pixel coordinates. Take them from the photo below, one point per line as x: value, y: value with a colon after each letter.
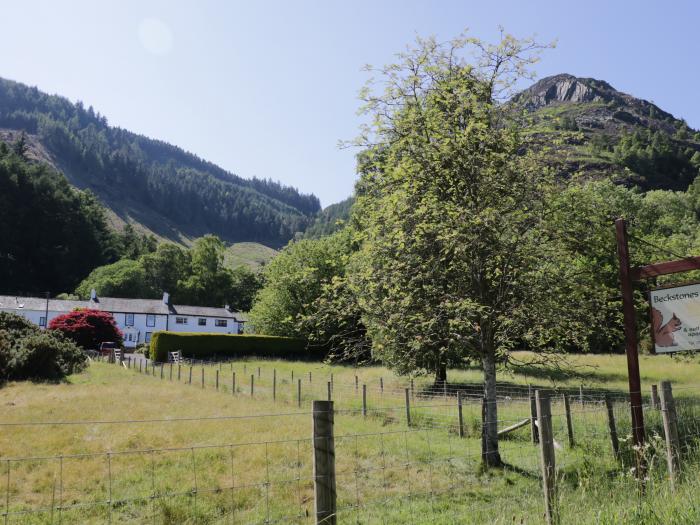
x: 27, y: 352
x: 206, y: 345
x: 87, y: 328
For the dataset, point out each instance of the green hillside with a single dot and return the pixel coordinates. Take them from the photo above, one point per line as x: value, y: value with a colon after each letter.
x: 155, y: 186
x: 251, y: 254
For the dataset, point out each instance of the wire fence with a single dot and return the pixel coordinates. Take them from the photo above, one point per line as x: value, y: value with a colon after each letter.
x: 419, y: 461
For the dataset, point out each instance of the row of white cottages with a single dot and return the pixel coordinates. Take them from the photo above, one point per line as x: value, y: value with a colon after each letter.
x: 136, y: 318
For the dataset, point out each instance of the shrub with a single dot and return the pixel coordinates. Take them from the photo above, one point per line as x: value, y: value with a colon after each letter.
x: 87, y: 328
x: 45, y: 355
x: 229, y: 345
x: 27, y: 352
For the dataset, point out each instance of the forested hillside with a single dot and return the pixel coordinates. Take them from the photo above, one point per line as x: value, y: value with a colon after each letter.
x: 51, y: 235
x: 330, y: 219
x: 147, y: 182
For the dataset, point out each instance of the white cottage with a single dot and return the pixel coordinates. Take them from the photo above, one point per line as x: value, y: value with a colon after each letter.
x: 136, y: 318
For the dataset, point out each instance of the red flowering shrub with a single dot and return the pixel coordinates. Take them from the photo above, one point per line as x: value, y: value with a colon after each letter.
x: 87, y: 328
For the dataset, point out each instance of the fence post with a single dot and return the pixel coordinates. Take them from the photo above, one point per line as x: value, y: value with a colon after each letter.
x: 128, y: 361
x: 357, y: 385
x: 178, y: 372
x: 569, y: 425
x: 668, y: 412
x: 330, y: 390
x: 381, y: 385
x: 217, y: 379
x: 140, y: 366
x: 161, y: 371
x: 309, y: 377
x: 299, y: 393
x: 274, y: 384
x: 611, y: 425
x: 233, y: 383
x: 324, y: 463
x: 654, y: 396
x: 460, y: 418
x: 258, y: 372
x: 364, y: 400
x: 544, y: 422
x: 534, y: 431
x: 252, y: 384
x: 190, y: 380
x: 408, y: 407
x: 171, y: 372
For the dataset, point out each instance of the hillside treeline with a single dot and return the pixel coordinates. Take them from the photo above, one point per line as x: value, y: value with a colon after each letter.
x: 196, y: 195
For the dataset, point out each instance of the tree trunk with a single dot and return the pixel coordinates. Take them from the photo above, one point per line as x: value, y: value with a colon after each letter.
x: 489, y: 439
x: 440, y: 375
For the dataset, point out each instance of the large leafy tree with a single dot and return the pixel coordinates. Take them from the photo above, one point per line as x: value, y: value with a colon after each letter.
x: 87, y: 328
x: 457, y: 261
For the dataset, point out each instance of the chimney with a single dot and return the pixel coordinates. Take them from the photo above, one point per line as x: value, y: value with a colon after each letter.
x: 93, y: 295
x: 166, y: 298
x: 228, y: 307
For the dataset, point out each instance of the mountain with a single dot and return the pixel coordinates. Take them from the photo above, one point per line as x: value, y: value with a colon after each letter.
x: 330, y: 219
x: 153, y: 185
x: 591, y: 129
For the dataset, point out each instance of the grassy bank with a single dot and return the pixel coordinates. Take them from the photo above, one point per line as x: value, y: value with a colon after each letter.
x: 181, y: 453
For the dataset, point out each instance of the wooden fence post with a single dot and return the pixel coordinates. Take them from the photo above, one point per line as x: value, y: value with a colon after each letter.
x: 611, y: 424
x: 233, y: 383
x: 299, y: 393
x: 128, y: 361
x: 190, y: 380
x: 655, y: 397
x: 330, y: 390
x: 171, y: 372
x: 569, y: 425
x: 668, y: 412
x: 202, y: 377
x: 309, y: 377
x: 534, y: 431
x: 357, y: 385
x: 547, y: 458
x: 580, y: 395
x: 381, y: 385
x: 258, y: 372
x: 252, y: 384
x: 364, y: 400
x: 460, y: 418
x: 324, y: 463
x: 217, y: 379
x: 178, y: 372
x: 161, y: 371
x: 408, y: 407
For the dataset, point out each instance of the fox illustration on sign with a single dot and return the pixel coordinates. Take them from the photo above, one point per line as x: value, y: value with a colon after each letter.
x: 664, y: 333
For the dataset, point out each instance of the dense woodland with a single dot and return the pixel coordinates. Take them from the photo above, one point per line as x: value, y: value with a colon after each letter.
x: 194, y: 195
x: 52, y: 235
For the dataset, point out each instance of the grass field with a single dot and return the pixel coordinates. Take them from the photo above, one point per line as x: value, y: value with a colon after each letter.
x: 151, y: 450
x: 251, y: 254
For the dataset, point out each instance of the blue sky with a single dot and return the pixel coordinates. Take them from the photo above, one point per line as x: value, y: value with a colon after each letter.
x: 269, y: 88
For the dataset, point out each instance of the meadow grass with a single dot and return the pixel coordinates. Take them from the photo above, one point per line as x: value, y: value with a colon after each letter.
x: 251, y: 466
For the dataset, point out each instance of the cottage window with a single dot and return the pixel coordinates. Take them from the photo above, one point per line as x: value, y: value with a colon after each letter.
x: 181, y: 320
x: 202, y: 321
x: 148, y: 337
x: 221, y: 322
x: 42, y: 321
x: 150, y: 320
x: 129, y: 320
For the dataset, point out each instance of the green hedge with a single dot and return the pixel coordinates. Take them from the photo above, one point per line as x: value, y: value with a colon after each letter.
x: 199, y: 346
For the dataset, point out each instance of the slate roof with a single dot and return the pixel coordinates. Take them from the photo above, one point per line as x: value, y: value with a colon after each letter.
x: 116, y: 304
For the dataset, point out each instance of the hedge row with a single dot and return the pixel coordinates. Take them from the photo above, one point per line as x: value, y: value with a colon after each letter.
x: 199, y: 346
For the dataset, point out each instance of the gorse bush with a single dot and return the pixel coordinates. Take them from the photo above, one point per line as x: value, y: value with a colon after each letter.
x: 208, y: 345
x: 27, y: 352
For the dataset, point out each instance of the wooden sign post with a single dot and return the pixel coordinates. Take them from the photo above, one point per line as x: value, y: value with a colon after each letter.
x: 627, y: 276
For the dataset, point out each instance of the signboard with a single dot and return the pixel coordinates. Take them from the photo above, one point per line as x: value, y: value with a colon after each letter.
x: 675, y: 318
